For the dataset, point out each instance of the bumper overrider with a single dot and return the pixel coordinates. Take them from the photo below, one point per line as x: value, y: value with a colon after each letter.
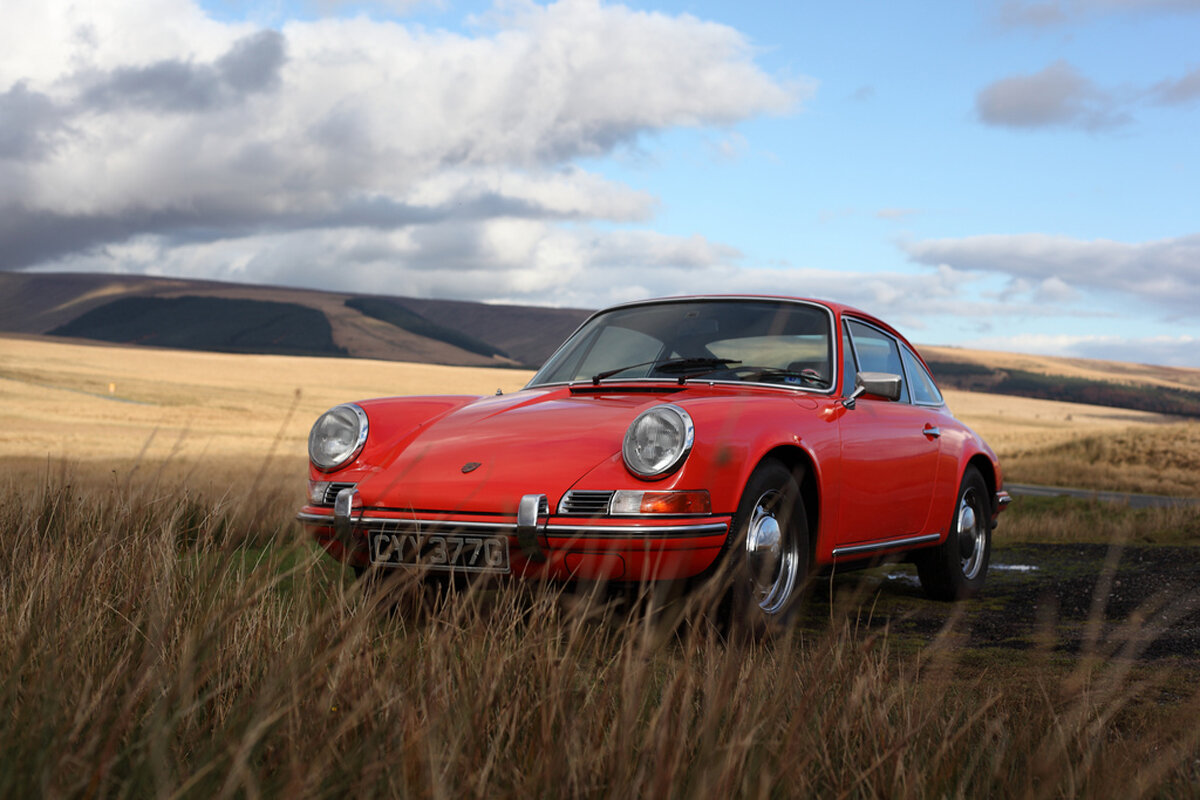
x: 535, y: 542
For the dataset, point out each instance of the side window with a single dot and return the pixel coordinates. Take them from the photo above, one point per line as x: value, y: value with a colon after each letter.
x: 924, y: 390
x: 849, y: 368
x: 877, y: 352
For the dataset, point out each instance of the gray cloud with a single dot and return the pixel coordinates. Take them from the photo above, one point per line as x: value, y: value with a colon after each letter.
x: 1019, y: 13
x: 1178, y: 92
x: 32, y: 237
x: 1165, y: 272
x: 251, y: 65
x: 29, y: 122
x: 1056, y: 96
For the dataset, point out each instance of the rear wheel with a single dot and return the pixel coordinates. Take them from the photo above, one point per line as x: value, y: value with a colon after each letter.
x: 769, y: 550
x: 957, y: 568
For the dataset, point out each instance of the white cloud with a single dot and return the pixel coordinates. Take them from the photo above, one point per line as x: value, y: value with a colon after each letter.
x: 533, y: 261
x: 146, y: 124
x: 1164, y: 272
x: 1176, y: 351
x: 1055, y: 290
x: 896, y: 213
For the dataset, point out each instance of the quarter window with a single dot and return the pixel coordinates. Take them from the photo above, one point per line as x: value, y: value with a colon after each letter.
x: 924, y: 390
x: 877, y: 352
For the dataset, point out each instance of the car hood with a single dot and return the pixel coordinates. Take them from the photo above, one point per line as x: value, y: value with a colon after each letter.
x: 483, y: 456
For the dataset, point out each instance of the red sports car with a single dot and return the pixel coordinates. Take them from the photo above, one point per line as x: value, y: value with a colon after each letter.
x: 665, y: 438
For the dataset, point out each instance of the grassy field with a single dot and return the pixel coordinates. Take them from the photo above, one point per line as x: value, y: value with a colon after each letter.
x: 167, y: 630
x: 117, y: 406
x: 120, y: 405
x: 161, y: 641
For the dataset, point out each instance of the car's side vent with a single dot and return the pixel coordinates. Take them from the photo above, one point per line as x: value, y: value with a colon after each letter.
x: 585, y: 503
x: 331, y: 493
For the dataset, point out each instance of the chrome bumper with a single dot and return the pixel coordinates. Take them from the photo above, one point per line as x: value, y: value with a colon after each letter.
x: 532, y: 529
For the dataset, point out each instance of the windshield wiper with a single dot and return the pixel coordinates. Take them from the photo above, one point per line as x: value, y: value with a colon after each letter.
x: 669, y: 366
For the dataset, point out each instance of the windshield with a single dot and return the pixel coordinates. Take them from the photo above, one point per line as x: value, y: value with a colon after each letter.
x: 757, y: 341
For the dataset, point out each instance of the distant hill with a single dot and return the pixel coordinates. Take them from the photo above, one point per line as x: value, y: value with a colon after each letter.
x: 393, y: 312
x: 390, y: 328
x: 208, y: 323
x: 208, y: 315
x: 1141, y: 387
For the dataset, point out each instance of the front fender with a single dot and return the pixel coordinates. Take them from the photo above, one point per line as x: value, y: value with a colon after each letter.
x: 732, y: 438
x: 392, y: 422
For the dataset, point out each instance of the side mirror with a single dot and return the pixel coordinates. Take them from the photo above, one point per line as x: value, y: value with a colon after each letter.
x: 881, y: 384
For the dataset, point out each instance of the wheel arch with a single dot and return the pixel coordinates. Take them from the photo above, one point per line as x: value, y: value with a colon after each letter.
x: 988, y: 471
x: 802, y: 465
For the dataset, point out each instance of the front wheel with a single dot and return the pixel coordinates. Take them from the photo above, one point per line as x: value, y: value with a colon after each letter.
x: 956, y: 569
x: 769, y: 550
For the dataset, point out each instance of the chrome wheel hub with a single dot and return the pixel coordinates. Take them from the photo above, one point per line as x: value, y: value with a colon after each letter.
x: 771, y: 555
x: 972, y: 535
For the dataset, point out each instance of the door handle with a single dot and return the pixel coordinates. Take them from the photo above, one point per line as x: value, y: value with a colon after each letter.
x: 930, y: 430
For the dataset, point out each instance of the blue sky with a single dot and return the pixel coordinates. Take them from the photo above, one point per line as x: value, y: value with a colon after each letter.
x: 1008, y: 175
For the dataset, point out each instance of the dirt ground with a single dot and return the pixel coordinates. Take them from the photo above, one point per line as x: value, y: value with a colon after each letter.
x: 1138, y: 602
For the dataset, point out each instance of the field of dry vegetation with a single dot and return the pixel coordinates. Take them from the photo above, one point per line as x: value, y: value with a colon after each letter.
x: 167, y: 631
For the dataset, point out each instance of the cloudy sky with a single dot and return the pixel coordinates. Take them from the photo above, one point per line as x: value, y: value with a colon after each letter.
x: 1015, y: 174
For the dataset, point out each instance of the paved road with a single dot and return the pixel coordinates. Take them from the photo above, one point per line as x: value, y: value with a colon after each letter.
x: 1133, y: 500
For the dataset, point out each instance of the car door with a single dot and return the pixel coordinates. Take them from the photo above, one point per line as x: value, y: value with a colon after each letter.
x: 890, y: 449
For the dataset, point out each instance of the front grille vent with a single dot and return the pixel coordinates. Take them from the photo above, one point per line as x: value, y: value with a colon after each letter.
x: 585, y: 503
x: 331, y: 493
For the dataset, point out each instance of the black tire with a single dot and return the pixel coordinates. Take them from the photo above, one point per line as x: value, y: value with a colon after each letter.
x: 957, y: 568
x: 767, y: 554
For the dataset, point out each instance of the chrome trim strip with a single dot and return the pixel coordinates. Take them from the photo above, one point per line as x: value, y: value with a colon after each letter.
x: 888, y: 545
x: 325, y: 519
x: 633, y: 531
x: 557, y: 531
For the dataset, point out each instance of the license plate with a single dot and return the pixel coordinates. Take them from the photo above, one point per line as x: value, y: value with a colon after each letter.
x: 443, y: 552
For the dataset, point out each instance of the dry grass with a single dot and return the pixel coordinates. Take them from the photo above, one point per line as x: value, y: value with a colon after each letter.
x: 1162, y: 460
x: 1015, y: 424
x: 104, y: 403
x: 1061, y: 520
x: 166, y: 630
x: 114, y: 404
x: 163, y: 642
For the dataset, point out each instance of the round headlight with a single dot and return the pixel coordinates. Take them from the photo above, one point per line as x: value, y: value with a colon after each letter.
x: 337, y: 436
x: 658, y: 441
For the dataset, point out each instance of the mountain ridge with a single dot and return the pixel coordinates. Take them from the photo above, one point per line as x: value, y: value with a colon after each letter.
x: 464, y: 333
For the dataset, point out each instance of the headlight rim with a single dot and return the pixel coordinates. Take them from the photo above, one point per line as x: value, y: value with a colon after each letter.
x: 354, y: 452
x: 689, y: 440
